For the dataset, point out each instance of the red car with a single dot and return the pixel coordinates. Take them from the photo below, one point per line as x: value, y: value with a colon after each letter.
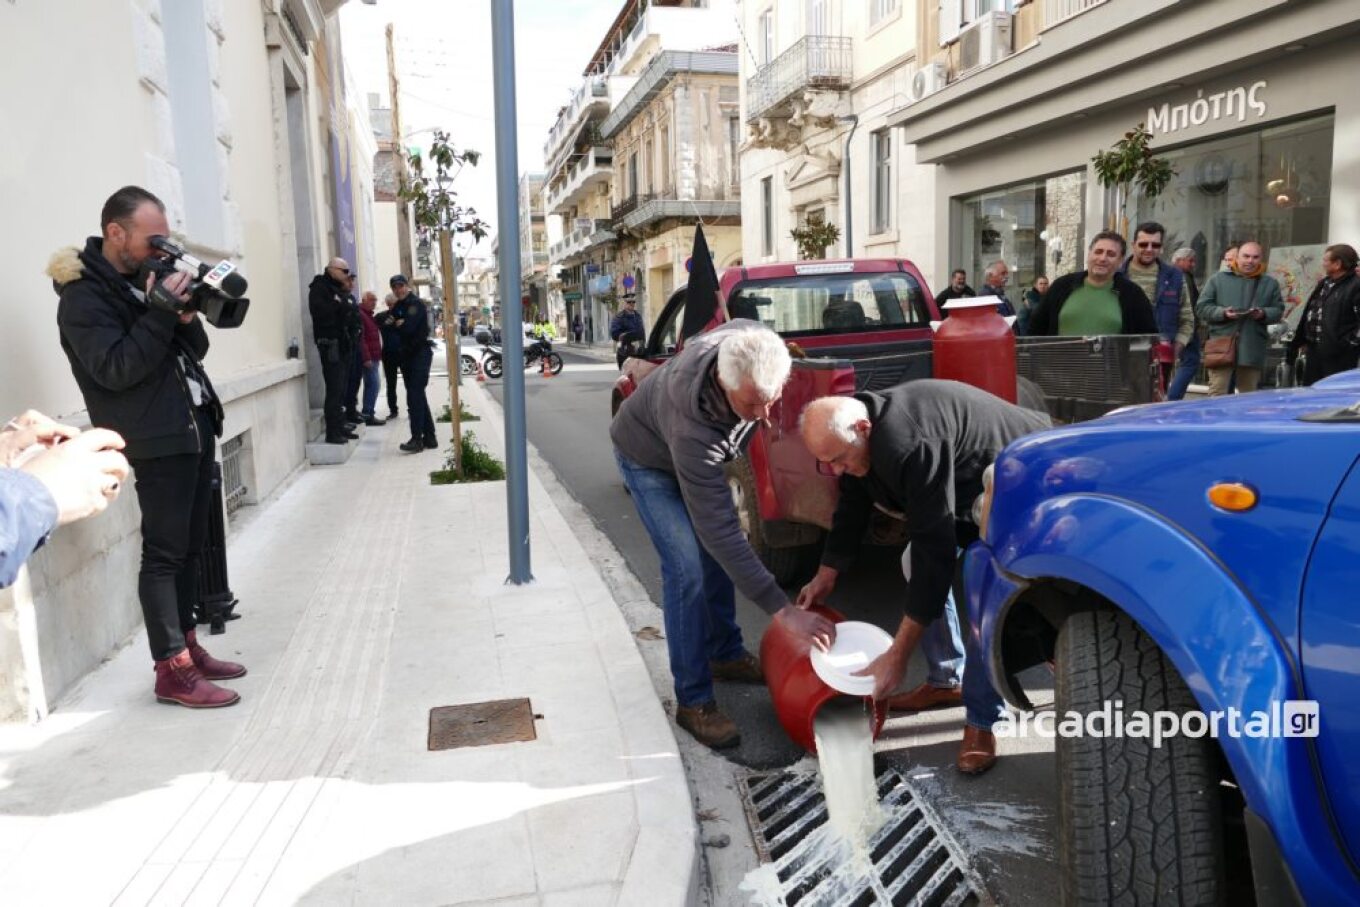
x: 862, y: 324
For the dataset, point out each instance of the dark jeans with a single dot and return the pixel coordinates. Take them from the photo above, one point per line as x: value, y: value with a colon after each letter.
x: 391, y: 364
x: 698, y: 603
x: 335, y: 374
x: 1185, y: 371
x: 415, y: 373
x: 174, y: 493
x: 352, y: 378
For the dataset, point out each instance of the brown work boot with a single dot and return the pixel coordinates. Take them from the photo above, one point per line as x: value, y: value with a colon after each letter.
x: 179, y: 682
x: 212, y: 668
x: 925, y: 697
x: 708, y: 725
x: 977, y: 752
x: 745, y: 669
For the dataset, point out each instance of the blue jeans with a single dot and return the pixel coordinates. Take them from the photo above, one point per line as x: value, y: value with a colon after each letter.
x: 698, y: 603
x: 1185, y: 370
x: 943, y: 650
x: 371, y: 377
x: 941, y: 645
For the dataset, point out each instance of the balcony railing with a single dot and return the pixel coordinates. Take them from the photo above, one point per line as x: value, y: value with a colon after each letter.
x: 815, y: 62
x: 592, y: 91
x: 645, y: 208
x: 592, y: 167
x: 1056, y: 11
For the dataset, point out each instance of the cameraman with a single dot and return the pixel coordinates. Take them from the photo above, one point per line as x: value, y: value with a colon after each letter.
x: 329, y: 303
x: 139, y: 369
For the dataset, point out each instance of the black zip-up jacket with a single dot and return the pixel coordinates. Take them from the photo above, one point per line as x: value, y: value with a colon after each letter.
x: 329, y: 305
x: 124, y: 355
x: 1133, y: 305
x: 1339, y: 349
x: 930, y: 443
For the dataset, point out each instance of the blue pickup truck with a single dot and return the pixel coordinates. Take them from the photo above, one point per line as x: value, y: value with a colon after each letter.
x: 1195, y: 562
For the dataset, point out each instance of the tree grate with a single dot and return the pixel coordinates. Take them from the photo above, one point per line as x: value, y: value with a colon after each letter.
x: 912, y: 859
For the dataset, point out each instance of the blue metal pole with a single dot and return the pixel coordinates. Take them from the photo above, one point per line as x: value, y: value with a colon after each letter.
x: 512, y: 308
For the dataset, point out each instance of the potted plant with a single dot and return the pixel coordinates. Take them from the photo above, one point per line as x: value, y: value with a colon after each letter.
x: 813, y: 238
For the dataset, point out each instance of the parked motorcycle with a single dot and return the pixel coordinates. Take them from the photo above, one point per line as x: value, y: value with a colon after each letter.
x: 534, y: 355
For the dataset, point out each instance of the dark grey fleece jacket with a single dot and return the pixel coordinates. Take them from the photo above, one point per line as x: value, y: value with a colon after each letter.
x: 679, y: 421
x: 930, y: 443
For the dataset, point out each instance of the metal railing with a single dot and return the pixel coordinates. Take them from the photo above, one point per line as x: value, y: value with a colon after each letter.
x: 1056, y: 11
x: 233, y: 482
x: 592, y: 90
x: 816, y: 61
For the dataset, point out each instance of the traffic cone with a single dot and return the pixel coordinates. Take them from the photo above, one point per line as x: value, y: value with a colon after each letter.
x: 547, y: 372
x: 481, y: 375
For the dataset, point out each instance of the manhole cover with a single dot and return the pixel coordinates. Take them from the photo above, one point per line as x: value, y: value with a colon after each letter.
x: 481, y: 723
x: 913, y: 860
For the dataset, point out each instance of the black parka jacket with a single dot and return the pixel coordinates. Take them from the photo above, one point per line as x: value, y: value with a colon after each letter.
x: 125, y: 356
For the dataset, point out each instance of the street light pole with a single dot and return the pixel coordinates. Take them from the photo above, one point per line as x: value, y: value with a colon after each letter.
x: 512, y: 359
x: 451, y: 344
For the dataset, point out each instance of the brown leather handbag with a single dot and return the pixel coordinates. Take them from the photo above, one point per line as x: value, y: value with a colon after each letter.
x: 1221, y: 351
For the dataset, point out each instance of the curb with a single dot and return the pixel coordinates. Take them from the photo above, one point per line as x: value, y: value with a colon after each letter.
x: 664, y: 865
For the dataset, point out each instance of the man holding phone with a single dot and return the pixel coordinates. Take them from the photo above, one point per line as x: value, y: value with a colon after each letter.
x: 1242, y: 301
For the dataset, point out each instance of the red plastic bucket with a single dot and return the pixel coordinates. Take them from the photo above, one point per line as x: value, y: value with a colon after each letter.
x: 795, y: 687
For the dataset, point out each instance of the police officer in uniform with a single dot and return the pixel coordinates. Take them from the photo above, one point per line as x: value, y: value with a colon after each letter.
x: 328, y: 301
x: 411, y: 317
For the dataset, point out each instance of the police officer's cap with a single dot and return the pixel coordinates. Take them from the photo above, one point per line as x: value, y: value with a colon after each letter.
x: 397, y: 280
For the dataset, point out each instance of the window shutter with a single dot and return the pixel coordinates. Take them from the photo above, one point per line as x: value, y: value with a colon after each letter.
x: 951, y: 20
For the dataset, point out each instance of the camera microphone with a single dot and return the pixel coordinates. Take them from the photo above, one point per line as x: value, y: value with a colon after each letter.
x: 223, y: 277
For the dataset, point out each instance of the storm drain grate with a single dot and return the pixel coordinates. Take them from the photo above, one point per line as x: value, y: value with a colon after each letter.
x: 915, y: 861
x: 482, y: 724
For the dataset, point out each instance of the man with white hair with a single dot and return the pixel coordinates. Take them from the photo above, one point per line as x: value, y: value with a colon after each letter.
x: 920, y: 449
x: 994, y: 281
x: 672, y: 438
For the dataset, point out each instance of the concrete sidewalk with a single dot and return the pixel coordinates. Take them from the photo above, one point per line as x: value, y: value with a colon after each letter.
x: 369, y: 597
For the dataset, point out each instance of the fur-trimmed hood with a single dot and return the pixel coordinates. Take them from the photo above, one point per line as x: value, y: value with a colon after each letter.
x: 65, y: 267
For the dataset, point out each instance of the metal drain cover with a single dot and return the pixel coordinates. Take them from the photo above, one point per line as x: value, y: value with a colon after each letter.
x: 481, y: 724
x: 913, y: 860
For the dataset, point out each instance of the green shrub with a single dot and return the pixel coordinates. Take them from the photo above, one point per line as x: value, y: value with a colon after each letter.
x: 478, y: 465
x: 464, y: 414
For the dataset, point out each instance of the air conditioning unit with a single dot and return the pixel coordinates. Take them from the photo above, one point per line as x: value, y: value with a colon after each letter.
x: 928, y: 80
x: 985, y: 40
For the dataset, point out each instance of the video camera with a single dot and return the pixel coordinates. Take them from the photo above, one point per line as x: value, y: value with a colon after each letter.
x: 216, y: 291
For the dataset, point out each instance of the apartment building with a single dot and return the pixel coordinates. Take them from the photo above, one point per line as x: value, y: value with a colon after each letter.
x: 1011, y: 101
x: 819, y: 79
x: 241, y: 118
x: 641, y: 154
x: 533, y: 245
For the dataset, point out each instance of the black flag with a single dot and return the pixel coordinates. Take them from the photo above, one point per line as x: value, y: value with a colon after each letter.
x: 701, y: 298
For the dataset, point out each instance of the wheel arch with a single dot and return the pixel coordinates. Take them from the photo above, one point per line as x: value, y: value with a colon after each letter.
x: 1072, y: 554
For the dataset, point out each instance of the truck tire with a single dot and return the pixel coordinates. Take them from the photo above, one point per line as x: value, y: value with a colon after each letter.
x: 1139, y: 824
x: 790, y: 565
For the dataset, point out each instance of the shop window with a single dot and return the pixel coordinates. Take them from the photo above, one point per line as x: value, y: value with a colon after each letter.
x: 1272, y: 185
x: 1038, y: 228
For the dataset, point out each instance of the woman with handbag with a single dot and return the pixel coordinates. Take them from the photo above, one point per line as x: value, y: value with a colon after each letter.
x: 1237, y: 306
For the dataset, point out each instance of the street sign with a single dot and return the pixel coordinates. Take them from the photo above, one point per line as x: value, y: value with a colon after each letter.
x: 629, y: 281
x: 592, y: 269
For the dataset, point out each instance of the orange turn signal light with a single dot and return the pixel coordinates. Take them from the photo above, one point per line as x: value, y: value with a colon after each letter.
x: 1234, y: 496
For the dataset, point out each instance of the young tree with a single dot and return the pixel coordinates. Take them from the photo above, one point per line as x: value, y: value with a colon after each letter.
x: 1130, y: 163
x: 435, y: 209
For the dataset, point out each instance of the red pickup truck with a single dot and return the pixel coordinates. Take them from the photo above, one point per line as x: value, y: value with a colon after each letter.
x: 863, y: 324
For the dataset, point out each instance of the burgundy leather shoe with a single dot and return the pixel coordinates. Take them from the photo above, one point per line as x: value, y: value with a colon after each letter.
x: 977, y: 753
x: 212, y: 668
x: 925, y: 697
x: 179, y: 682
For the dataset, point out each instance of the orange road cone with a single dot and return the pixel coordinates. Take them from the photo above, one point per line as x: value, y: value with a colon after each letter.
x: 547, y: 373
x: 481, y: 375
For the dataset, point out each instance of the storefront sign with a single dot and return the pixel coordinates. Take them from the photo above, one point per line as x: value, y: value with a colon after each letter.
x: 1224, y: 105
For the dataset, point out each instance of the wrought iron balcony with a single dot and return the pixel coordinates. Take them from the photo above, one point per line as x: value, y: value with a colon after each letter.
x: 817, y: 62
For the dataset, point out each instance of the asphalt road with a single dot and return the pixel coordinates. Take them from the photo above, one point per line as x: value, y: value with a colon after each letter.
x: 1006, y: 818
